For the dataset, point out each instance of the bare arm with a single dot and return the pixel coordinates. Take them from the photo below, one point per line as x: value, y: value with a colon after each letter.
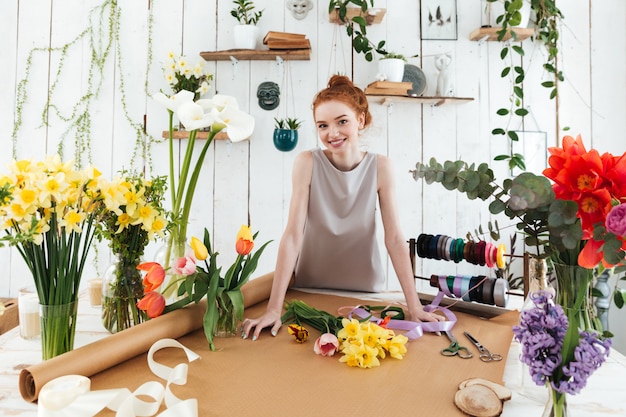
x: 288, y: 249
x: 396, y: 243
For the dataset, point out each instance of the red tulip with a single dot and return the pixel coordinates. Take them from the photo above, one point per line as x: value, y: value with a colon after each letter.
x: 153, y: 303
x: 155, y: 276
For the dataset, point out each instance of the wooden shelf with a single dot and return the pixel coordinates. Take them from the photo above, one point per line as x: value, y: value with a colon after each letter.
x: 491, y: 34
x: 372, y: 16
x: 257, y: 54
x: 183, y: 134
x: 432, y: 100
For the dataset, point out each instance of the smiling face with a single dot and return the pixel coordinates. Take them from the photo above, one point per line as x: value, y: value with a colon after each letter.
x: 338, y: 125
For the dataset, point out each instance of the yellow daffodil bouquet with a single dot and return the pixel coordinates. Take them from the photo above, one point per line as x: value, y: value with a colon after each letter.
x: 48, y: 211
x: 217, y: 114
x: 135, y: 217
x: 223, y: 293
x: 362, y: 342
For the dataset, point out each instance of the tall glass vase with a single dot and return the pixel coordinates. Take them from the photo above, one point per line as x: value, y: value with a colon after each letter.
x: 121, y: 290
x: 537, y: 281
x: 556, y: 406
x: 573, y: 293
x: 227, y: 321
x: 58, y: 327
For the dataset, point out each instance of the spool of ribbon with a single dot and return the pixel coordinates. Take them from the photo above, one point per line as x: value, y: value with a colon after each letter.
x: 70, y: 395
x: 481, y: 289
x: 446, y: 248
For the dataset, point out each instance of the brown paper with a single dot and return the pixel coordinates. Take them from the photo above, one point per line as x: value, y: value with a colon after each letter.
x: 277, y: 377
x: 117, y: 348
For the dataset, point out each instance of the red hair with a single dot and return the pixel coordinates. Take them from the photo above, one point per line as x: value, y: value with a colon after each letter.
x: 342, y: 89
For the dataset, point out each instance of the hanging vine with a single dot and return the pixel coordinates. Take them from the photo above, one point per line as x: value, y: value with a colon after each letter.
x: 102, y: 35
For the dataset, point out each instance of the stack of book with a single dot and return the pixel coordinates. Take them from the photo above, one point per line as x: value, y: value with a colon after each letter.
x: 285, y: 40
x: 389, y: 88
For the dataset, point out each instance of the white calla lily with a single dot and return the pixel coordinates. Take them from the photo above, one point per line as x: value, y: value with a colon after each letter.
x: 193, y: 117
x: 221, y: 101
x: 239, y: 124
x: 175, y: 101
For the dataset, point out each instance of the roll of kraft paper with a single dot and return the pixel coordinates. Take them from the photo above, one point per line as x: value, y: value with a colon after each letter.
x: 119, y: 347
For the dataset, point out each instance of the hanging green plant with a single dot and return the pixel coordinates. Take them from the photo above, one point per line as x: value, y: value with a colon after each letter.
x: 547, y: 19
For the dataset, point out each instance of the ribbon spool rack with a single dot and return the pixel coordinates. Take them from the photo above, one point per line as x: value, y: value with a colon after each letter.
x: 481, y: 289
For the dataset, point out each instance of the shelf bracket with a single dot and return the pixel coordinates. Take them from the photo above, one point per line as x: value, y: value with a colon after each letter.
x: 234, y: 61
x: 280, y: 67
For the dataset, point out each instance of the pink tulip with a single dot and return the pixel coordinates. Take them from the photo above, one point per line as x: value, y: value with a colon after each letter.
x: 184, y: 265
x: 616, y: 220
x: 326, y: 345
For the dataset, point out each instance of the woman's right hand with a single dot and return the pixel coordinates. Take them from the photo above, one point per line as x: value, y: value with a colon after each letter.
x: 253, y: 327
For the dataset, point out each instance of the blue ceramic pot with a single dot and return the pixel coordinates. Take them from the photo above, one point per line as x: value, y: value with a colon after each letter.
x: 285, y: 140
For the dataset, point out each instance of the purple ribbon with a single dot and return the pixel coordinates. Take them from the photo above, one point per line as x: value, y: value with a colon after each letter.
x: 413, y: 329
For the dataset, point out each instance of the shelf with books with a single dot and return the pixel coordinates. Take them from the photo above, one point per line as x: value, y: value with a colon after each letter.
x: 257, y: 54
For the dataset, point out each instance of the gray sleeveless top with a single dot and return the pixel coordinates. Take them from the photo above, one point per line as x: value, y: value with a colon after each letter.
x: 339, y: 249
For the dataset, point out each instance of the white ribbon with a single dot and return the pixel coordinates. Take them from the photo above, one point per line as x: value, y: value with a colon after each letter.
x: 70, y: 395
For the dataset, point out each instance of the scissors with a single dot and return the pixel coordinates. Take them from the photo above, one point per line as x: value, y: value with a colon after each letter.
x: 485, y: 355
x: 455, y: 348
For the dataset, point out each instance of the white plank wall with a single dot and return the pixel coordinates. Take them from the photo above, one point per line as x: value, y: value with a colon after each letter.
x: 251, y: 180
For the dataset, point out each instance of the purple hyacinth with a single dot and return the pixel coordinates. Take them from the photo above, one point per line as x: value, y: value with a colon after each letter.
x: 541, y: 332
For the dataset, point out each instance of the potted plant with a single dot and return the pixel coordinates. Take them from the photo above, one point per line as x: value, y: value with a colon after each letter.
x: 547, y: 17
x: 391, y: 66
x: 245, y: 34
x: 286, y: 133
x: 360, y: 42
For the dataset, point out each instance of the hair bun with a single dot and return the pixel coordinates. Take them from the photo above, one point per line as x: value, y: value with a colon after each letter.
x: 339, y: 80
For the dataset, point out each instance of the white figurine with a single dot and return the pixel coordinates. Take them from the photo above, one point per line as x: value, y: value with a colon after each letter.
x: 445, y: 81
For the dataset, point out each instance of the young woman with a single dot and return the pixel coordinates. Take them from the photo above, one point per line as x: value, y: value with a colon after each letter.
x: 330, y: 237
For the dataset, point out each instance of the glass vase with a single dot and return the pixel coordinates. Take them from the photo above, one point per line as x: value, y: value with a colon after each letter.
x: 173, y: 249
x: 122, y: 288
x: 556, y: 406
x: 537, y: 281
x: 58, y: 327
x: 227, y: 321
x: 573, y: 293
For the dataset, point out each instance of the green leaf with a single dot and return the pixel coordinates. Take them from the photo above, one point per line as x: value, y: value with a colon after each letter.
x: 521, y: 112
x: 518, y: 49
x: 236, y: 298
x: 513, y: 135
x: 210, y: 315
x: 502, y: 112
x: 498, y: 131
x: 619, y: 297
x: 505, y: 72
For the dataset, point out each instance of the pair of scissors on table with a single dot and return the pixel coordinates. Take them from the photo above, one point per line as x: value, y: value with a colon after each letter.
x: 455, y: 349
x: 485, y: 355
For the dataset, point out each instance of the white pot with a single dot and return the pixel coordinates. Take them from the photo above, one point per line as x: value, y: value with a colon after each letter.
x: 245, y: 36
x: 497, y: 9
x: 392, y: 69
